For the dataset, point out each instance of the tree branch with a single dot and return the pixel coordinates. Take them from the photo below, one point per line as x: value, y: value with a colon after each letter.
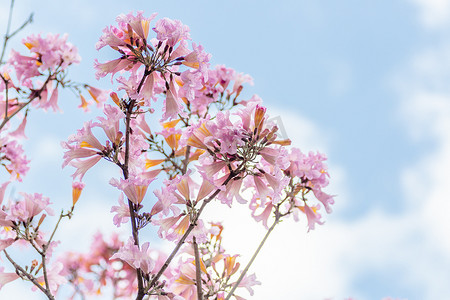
x: 198, y: 275
x: 131, y: 206
x: 29, y: 277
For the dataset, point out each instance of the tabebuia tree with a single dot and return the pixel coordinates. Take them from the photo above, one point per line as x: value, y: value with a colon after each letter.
x: 210, y: 144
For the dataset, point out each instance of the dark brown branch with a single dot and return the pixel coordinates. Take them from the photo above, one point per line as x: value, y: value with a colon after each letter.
x: 131, y: 206
x: 198, y: 275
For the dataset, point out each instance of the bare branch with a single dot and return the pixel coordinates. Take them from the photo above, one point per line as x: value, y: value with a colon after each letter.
x: 8, y: 28
x: 29, y: 277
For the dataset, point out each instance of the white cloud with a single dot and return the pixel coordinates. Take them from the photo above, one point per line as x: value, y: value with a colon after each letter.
x: 433, y: 14
x: 425, y: 109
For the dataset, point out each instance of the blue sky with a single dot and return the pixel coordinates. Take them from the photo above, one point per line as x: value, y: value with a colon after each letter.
x: 364, y: 81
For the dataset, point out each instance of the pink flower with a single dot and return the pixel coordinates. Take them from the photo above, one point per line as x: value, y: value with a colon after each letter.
x: 6, y: 277
x: 135, y: 257
x: 99, y: 96
x: 50, y: 52
x: 138, y: 23
x: 111, y: 123
x: 326, y: 199
x: 248, y: 282
x: 3, y: 187
x: 262, y: 191
x: 231, y: 192
x: 198, y: 59
x: 4, y: 221
x: 112, y: 67
x: 312, y: 215
x: 192, y: 81
x: 53, y: 51
x: 171, y: 31
x: 239, y: 80
x: 172, y: 104
x: 26, y: 67
x: 112, y: 37
x: 165, y: 225
x: 51, y: 102
x: 83, y: 144
x: 264, y: 216
x: 122, y: 212
x: 83, y: 166
x: 20, y: 131
x: 134, y: 188
x: 5, y: 243
x: 30, y: 206
x: 13, y: 158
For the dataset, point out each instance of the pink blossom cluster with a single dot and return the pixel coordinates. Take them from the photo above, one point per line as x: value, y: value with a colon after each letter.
x: 154, y: 65
x: 47, y: 53
x: 111, y: 263
x: 237, y: 147
x: 209, y: 144
x: 21, y: 220
x: 12, y: 158
x: 41, y: 71
x: 32, y: 79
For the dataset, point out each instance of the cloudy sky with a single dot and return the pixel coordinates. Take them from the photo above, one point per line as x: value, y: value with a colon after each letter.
x: 366, y: 82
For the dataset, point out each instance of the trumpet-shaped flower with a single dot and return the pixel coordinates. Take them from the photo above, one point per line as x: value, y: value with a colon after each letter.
x: 138, y: 258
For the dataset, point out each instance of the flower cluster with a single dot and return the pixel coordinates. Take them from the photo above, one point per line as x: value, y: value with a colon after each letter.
x: 32, y: 79
x: 154, y: 64
x: 21, y: 220
x: 48, y: 53
x: 209, y: 144
x: 12, y: 158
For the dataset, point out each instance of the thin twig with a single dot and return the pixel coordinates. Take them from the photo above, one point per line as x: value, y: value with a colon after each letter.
x: 54, y: 231
x: 8, y: 28
x: 236, y: 284
x: 44, y: 270
x: 30, y: 277
x: 28, y: 21
x: 186, y: 159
